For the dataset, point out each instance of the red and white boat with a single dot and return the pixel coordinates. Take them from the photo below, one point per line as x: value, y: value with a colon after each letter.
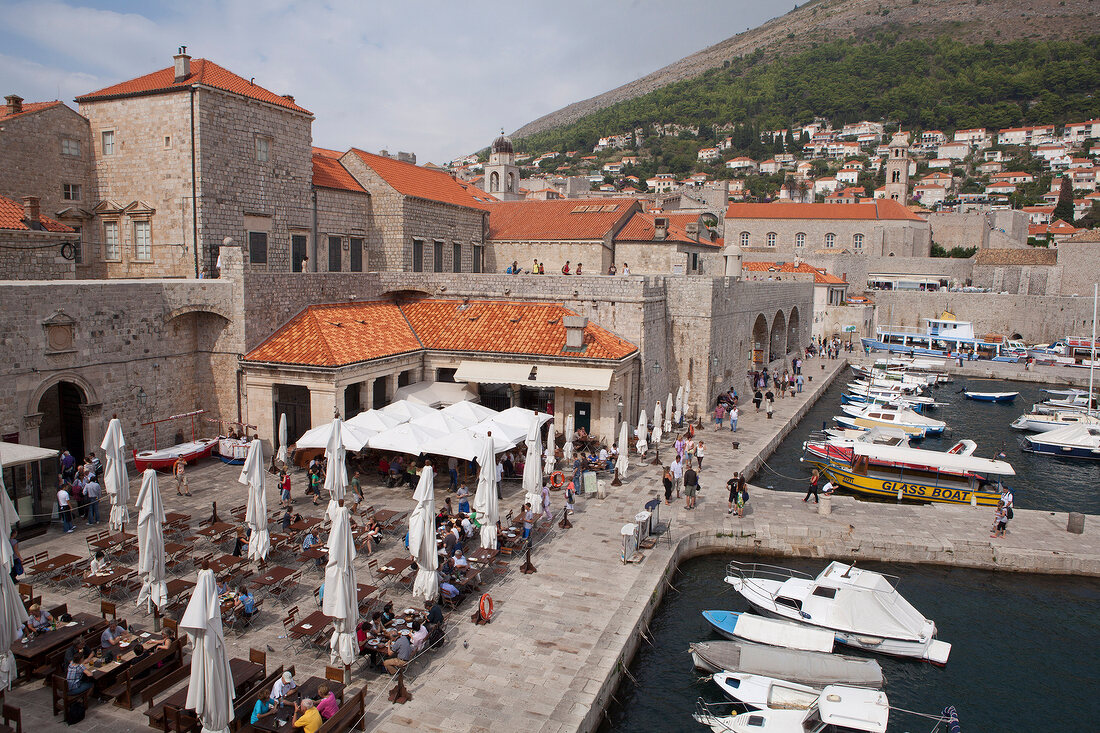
x: 192, y: 450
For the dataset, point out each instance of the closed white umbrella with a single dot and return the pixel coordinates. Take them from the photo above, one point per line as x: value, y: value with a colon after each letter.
x: 336, y: 476
x: 150, y: 533
x: 252, y: 476
x: 532, y: 467
x: 341, y: 601
x: 13, y: 615
x: 567, y: 447
x: 485, y: 498
x: 210, y: 692
x: 643, y: 428
x: 687, y: 395
x: 624, y: 450
x: 115, y: 480
x: 668, y: 414
x: 679, y: 414
x: 422, y: 537
x: 551, y: 461
x: 282, y: 456
x: 657, y: 425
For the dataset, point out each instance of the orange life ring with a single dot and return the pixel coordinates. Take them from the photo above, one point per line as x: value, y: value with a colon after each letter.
x: 557, y: 479
x: 485, y: 607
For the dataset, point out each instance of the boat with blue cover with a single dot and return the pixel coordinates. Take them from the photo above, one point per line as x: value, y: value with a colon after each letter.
x: 991, y: 396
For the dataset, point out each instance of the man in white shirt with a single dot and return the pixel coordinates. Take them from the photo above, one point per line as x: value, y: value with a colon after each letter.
x: 677, y: 469
x: 283, y: 687
x: 500, y: 475
x: 64, y: 509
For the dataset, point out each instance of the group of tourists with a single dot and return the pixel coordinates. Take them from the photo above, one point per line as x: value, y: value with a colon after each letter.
x: 538, y: 268
x: 81, y: 487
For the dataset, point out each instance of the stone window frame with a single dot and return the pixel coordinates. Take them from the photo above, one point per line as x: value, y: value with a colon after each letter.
x: 830, y: 240
x: 338, y: 241
x: 477, y: 259
x: 770, y: 238
x: 252, y: 260
x: 107, y: 142
x: 108, y: 223
x: 361, y: 248
x: 135, y: 223
x: 417, y: 255
x: 437, y: 255
x: 800, y: 240
x: 261, y: 148
x: 71, y: 191
x: 456, y: 257
x: 305, y: 235
x: 67, y: 143
x: 857, y: 241
x: 745, y: 238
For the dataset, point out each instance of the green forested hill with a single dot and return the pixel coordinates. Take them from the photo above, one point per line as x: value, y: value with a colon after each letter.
x: 937, y: 84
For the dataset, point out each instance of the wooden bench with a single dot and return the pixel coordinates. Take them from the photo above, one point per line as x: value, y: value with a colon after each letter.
x: 156, y: 712
x: 351, y: 715
x: 143, y: 673
x: 242, y: 706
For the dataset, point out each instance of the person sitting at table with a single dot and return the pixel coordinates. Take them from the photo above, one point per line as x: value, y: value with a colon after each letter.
x: 326, y: 702
x: 400, y: 652
x: 240, y: 544
x: 448, y: 590
x: 412, y: 475
x: 450, y: 540
x: 38, y: 619
x: 221, y: 587
x: 603, y: 455
x: 383, y: 468
x: 309, y: 540
x: 448, y: 508
x: 113, y: 635
x: 245, y: 605
x: 77, y: 675
x: 165, y: 642
x: 508, y: 465
x: 467, y: 526
x: 99, y: 565
x: 435, y: 615
x: 264, y: 708
x: 309, y: 720
x: 419, y: 636
x: 282, y: 688
x: 460, y: 561
x: 286, y: 520
x: 387, y: 613
x: 463, y: 499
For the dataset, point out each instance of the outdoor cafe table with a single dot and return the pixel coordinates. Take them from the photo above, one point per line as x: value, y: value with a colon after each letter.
x: 178, y: 586
x: 362, y: 591
x: 174, y: 548
x: 114, y: 573
x: 34, y: 652
x: 52, y: 565
x: 305, y: 523
x: 245, y: 675
x: 311, y: 624
x: 103, y: 673
x: 395, y: 568
x: 221, y: 564
x: 114, y: 542
x: 307, y: 689
x: 216, y: 530
x: 272, y: 576
x: 483, y: 555
x: 317, y: 552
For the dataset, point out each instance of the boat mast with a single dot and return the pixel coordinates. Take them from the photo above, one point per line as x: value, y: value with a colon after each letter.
x: 1092, y: 358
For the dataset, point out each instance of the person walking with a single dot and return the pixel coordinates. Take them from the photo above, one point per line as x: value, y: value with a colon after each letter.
x: 757, y: 398
x: 179, y: 470
x: 546, y: 513
x: 689, y: 453
x: 64, y: 508
x: 770, y: 407
x: 719, y: 415
x: 815, y: 479
x: 798, y: 381
x: 700, y: 448
x: 734, y: 414
x: 677, y: 469
x: 742, y: 496
x: 92, y: 491
x: 666, y: 479
x: 732, y: 486
x: 284, y: 489
x: 452, y: 470
x: 691, y: 487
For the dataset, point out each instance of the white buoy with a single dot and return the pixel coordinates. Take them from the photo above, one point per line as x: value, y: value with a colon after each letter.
x: 899, y: 494
x: 973, y: 499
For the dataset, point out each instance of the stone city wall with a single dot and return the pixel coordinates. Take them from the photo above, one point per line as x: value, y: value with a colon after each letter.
x: 26, y: 255
x: 1080, y: 266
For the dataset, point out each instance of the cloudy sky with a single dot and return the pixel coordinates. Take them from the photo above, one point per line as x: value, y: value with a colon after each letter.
x: 435, y: 78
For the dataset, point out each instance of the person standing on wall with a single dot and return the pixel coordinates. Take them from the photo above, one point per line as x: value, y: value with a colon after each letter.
x: 815, y: 479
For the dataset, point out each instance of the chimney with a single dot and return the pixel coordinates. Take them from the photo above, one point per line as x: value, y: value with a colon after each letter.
x: 31, y: 210
x: 289, y: 98
x: 660, y: 228
x: 183, y: 64
x: 574, y: 331
x: 15, y: 104
x: 693, y: 230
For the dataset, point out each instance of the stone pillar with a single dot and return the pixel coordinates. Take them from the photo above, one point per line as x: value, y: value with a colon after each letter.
x: 322, y: 401
x: 94, y: 426
x: 366, y: 394
x: 260, y: 411
x: 31, y: 424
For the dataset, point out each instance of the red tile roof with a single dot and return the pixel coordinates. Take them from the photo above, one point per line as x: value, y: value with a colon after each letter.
x: 28, y: 108
x: 203, y: 73
x: 432, y: 185
x: 328, y: 172
x: 346, y: 333
x: 641, y: 228
x: 558, y: 219
x: 879, y: 209
x: 11, y: 217
x: 821, y: 277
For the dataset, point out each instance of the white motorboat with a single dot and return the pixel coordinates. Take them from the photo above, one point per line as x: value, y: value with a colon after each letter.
x: 837, y: 445
x: 804, y: 667
x: 760, y: 692
x: 847, y: 709
x: 859, y: 423
x: 735, y: 625
x: 1071, y: 441
x: 894, y: 417
x: 863, y: 608
x: 1041, y: 422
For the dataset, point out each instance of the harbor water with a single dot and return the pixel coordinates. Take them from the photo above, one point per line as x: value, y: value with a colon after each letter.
x: 1023, y: 656
x: 1041, y: 482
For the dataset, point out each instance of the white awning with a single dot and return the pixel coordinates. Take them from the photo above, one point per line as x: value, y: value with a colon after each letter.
x: 13, y: 454
x: 586, y: 379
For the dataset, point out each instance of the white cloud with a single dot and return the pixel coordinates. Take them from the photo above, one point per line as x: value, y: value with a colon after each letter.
x: 435, y: 78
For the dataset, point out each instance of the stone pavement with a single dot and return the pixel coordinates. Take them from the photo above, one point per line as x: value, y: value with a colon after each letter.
x: 553, y: 655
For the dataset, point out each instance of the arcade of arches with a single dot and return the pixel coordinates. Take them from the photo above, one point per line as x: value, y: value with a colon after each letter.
x: 779, y: 341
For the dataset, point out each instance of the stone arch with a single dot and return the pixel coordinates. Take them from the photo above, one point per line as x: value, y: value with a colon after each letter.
x: 760, y: 342
x: 794, y: 324
x: 494, y: 182
x: 64, y: 411
x: 197, y: 308
x: 511, y: 183
x: 777, y: 345
x: 90, y: 394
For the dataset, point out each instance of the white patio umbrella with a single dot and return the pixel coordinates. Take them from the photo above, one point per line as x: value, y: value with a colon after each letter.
x: 551, y: 461
x: 252, y: 476
x: 468, y: 413
x: 373, y: 421
x: 352, y: 437
x: 438, y: 422
x: 687, y: 395
x: 341, y: 601
x: 532, y: 467
x: 210, y: 693
x: 422, y: 537
x: 567, y: 447
x: 521, y: 417
x: 13, y: 615
x: 150, y: 531
x: 643, y: 428
x: 668, y: 414
x: 657, y: 425
x: 485, y: 498
x: 404, y: 410
x: 115, y: 481
x: 282, y: 456
x: 405, y: 438
x: 464, y: 444
x: 679, y: 413
x: 624, y: 450
x: 506, y: 432
x: 336, y: 475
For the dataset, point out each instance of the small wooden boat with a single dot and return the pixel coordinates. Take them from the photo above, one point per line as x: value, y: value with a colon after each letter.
x: 795, y: 665
x: 761, y: 692
x: 232, y: 450
x: 991, y: 396
x: 167, y: 457
x: 773, y: 632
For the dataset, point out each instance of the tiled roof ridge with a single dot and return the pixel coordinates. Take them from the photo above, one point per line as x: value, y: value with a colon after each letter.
x: 30, y: 108
x: 405, y: 317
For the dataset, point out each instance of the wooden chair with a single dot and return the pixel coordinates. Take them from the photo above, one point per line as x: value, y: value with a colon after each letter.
x: 257, y: 656
x: 171, y: 623
x: 108, y: 607
x: 12, y: 715
x: 26, y: 591
x: 334, y: 674
x: 372, y: 565
x: 59, y: 610
x: 62, y: 697
x: 351, y: 715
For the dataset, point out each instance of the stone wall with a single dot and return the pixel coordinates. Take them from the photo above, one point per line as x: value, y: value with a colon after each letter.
x: 989, y: 229
x: 347, y: 215
x: 1080, y: 265
x: 855, y: 268
x: 659, y: 258
x: 595, y: 256
x: 901, y: 238
x: 26, y: 255
x: 431, y: 222
x: 1019, y: 279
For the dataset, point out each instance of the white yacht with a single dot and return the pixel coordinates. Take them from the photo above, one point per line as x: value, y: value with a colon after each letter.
x: 894, y: 417
x: 849, y: 709
x: 1040, y: 421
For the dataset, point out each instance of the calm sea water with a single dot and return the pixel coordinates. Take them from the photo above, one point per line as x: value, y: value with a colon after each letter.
x: 1023, y: 658
x: 1041, y: 482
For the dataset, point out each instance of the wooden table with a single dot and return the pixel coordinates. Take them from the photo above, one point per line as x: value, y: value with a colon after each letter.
x: 54, y: 564
x: 176, y: 518
x: 34, y: 652
x: 245, y: 674
x: 125, y: 657
x: 216, y: 529
x: 115, y: 573
x: 178, y: 586
x: 118, y: 540
x: 383, y: 516
x: 363, y: 591
x: 223, y: 563
x: 316, y: 621
x: 305, y: 523
x: 483, y: 555
x: 272, y: 576
x: 396, y: 568
x: 174, y: 548
x: 317, y: 552
x: 307, y: 689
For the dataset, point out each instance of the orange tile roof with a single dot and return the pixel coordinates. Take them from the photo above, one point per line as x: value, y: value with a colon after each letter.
x: 28, y: 108
x: 880, y: 209
x: 433, y: 185
x: 203, y: 73
x: 558, y: 219
x: 328, y: 172
x: 641, y: 228
x: 11, y: 217
x: 346, y: 333
x: 821, y: 277
x: 338, y: 334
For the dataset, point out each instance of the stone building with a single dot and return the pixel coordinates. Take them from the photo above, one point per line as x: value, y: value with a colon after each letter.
x: 339, y: 239
x: 897, y: 168
x: 502, y: 178
x: 45, y: 152
x: 660, y: 243
x: 32, y: 246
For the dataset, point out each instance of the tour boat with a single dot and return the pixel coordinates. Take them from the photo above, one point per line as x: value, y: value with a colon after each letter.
x: 1040, y: 421
x: 922, y: 475
x: 804, y: 667
x: 991, y: 396
x: 1071, y: 441
x: 766, y: 693
x: 190, y: 451
x: 861, y: 607
x: 943, y: 336
x: 232, y: 450
x: 852, y: 709
x: 894, y: 417
x: 737, y: 626
x: 821, y: 448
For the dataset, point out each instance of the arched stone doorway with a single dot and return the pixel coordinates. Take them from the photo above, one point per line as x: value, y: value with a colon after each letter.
x: 63, y: 419
x: 760, y: 342
x: 794, y: 339
x: 778, y: 345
